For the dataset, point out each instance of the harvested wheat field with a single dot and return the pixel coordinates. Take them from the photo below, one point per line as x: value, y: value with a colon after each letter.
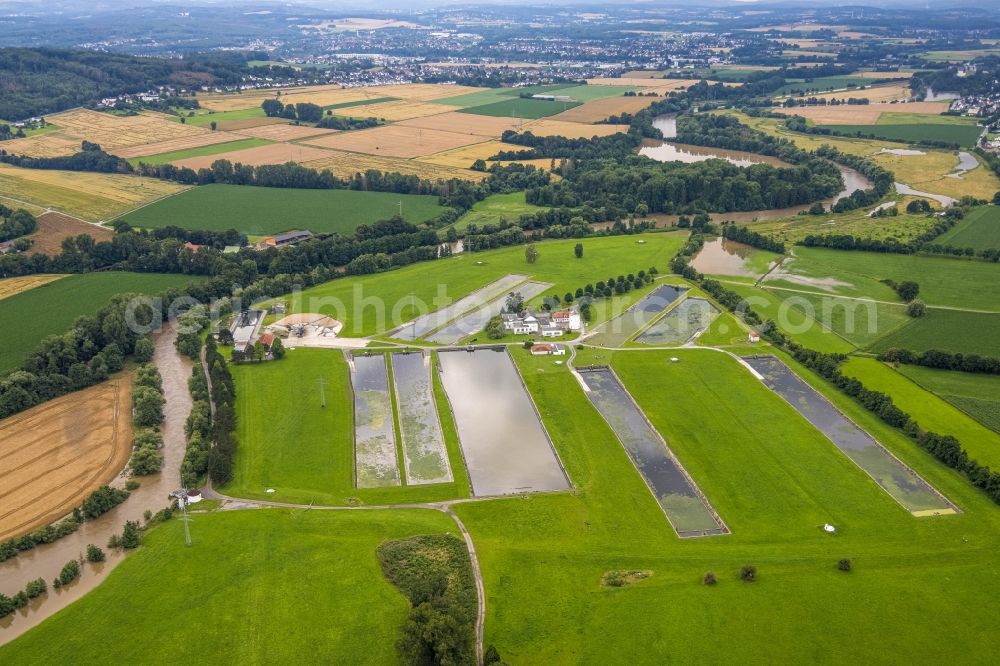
x: 666, y: 84
x: 402, y: 109
x: 15, y: 285
x: 274, y: 153
x: 887, y: 93
x: 551, y: 127
x: 422, y: 91
x: 396, y: 141
x: 43, y: 145
x: 53, y: 455
x: 600, y: 109
x: 116, y: 132
x: 173, y: 145
x: 283, y: 132
x: 53, y: 228
x: 463, y: 156
x: 253, y: 98
x: 862, y: 114
x: 488, y: 127
x: 883, y: 75
x: 92, y: 196
x: 345, y: 165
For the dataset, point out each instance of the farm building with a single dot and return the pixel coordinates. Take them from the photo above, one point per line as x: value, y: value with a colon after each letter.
x: 244, y: 328
x: 287, y: 238
x: 753, y: 337
x: 548, y: 325
x: 548, y: 349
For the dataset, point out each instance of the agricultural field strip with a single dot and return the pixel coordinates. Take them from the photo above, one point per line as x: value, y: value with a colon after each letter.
x: 862, y: 299
x: 504, y: 443
x: 433, y: 321
x: 15, y: 285
x: 474, y: 321
x: 897, y: 479
x: 684, y: 504
x: 376, y: 460
x: 425, y: 455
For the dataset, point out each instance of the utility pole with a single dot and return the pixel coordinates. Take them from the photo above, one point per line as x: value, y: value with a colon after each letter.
x: 400, y: 204
x: 322, y: 393
x: 186, y: 519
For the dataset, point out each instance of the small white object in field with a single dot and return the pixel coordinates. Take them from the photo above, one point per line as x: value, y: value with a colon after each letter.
x: 830, y: 529
x: 674, y: 359
x: 269, y: 490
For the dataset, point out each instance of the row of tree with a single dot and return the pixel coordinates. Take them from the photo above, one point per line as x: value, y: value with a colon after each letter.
x: 943, y: 360
x: 16, y: 223
x: 753, y: 238
x: 222, y: 449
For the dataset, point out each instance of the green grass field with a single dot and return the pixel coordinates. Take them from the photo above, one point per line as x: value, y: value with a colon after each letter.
x: 775, y: 482
x: 976, y: 395
x: 963, y: 134
x: 860, y: 322
x: 268, y: 210
x: 822, y: 84
x: 289, y: 442
x: 942, y: 280
x: 52, y: 308
x: 520, y: 108
x: 979, y: 230
x: 256, y: 587
x: 931, y: 412
x: 204, y: 117
x: 590, y: 93
x: 213, y: 149
x: 436, y: 283
x: 489, y: 211
x: 947, y: 330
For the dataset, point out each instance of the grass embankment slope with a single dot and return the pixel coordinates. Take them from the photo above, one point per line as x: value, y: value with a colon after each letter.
x: 775, y: 482
x: 462, y: 274
x: 268, y: 210
x: 256, y: 586
x: 305, y: 452
x: 51, y: 309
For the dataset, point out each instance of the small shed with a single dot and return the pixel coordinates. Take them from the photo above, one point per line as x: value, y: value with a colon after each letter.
x: 754, y: 336
x: 543, y: 349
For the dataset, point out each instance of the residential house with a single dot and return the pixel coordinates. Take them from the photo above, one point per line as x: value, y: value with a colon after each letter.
x: 546, y: 324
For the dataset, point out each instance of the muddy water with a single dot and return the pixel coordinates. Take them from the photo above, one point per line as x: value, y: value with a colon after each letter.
x: 685, y: 507
x: 374, y: 437
x: 966, y: 162
x: 721, y: 256
x: 943, y: 199
x: 503, y: 442
x: 46, y: 561
x: 425, y: 454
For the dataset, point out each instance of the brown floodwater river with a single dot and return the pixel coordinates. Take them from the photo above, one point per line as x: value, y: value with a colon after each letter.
x: 47, y: 560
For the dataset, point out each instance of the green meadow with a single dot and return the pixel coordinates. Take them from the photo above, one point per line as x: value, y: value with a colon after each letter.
x: 267, y: 210
x: 255, y: 587
x: 51, y: 309
x: 963, y: 134
x: 979, y: 230
x: 947, y: 330
x: 520, y: 108
x: 490, y: 210
x: 976, y: 395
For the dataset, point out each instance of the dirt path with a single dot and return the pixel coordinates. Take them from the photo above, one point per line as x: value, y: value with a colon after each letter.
x: 46, y: 561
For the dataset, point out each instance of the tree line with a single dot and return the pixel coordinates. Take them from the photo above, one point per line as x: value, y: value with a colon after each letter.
x: 942, y: 360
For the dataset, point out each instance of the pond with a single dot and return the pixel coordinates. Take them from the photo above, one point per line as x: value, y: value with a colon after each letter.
x: 424, y: 324
x: 475, y: 321
x: 424, y: 451
x: 683, y: 503
x: 506, y: 449
x: 721, y: 256
x: 898, y: 480
x: 616, y: 331
x: 680, y: 324
x: 374, y: 436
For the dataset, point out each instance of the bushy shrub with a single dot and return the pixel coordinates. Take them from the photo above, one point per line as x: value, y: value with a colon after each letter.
x: 748, y: 573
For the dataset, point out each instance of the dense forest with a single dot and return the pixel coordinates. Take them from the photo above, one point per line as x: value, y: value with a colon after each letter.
x: 38, y: 81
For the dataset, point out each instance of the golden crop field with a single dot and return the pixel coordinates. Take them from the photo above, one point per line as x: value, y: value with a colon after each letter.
x: 402, y: 109
x: 182, y: 143
x: 422, y: 91
x: 883, y: 75
x: 464, y: 123
x: 886, y: 93
x: 15, y: 285
x: 273, y: 153
x: 345, y: 165
x: 657, y: 85
x: 55, y: 454
x: 327, y: 95
x: 600, y: 109
x: 284, y: 132
x: 116, y: 132
x: 553, y: 127
x: 52, y: 144
x: 247, y: 123
x: 91, y: 196
x: 463, y: 156
x: 396, y: 141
